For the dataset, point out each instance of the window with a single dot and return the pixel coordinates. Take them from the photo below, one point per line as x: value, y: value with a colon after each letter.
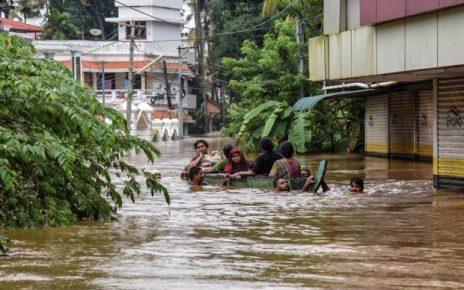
x: 137, y: 81
x: 140, y: 29
x: 110, y: 81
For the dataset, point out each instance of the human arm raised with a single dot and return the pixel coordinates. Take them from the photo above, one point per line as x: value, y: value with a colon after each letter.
x: 196, y: 161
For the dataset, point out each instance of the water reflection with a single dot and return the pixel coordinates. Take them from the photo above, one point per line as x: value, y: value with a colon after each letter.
x: 398, y: 234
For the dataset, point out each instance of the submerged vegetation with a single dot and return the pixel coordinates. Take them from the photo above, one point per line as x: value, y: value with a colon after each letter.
x: 59, y: 147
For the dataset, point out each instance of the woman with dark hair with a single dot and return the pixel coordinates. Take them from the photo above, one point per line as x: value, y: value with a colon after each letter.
x: 237, y: 163
x: 265, y: 160
x: 204, y: 157
x: 287, y: 167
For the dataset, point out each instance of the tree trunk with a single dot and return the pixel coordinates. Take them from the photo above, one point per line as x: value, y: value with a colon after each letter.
x: 99, y: 17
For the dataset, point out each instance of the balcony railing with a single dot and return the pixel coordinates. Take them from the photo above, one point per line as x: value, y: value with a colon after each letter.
x: 116, y: 97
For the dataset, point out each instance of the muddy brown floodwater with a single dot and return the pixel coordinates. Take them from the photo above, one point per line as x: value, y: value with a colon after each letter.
x: 399, y: 234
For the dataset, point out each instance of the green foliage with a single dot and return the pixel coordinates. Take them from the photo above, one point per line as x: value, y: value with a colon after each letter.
x: 276, y: 120
x: 3, y: 241
x: 232, y: 15
x: 266, y: 78
x: 73, y: 19
x: 333, y: 126
x: 270, y: 72
x: 57, y: 155
x: 58, y: 25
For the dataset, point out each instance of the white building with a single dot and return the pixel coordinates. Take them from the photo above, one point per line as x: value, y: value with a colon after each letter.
x: 157, y: 34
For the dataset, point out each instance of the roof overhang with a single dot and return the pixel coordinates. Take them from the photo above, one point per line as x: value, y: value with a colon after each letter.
x: 308, y: 103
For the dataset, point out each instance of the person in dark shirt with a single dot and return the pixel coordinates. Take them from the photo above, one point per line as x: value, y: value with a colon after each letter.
x: 265, y: 160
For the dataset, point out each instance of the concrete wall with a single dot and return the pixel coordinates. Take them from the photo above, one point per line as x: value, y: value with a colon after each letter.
x: 379, y: 11
x: 332, y: 12
x: 416, y: 43
x: 353, y: 15
x: 164, y: 31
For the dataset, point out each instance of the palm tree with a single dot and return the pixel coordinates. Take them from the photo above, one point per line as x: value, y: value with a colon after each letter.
x: 57, y: 25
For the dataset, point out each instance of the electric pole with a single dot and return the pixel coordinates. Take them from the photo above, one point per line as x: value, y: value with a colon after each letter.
x: 168, y: 87
x: 180, y: 114
x: 130, y: 84
x: 103, y: 80
x: 200, y: 35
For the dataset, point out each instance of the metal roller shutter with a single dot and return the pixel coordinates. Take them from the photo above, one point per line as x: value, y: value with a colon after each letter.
x: 424, y: 124
x: 450, y: 141
x: 401, y: 123
x: 376, y: 124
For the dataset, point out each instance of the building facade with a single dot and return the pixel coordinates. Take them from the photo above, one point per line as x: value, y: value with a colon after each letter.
x: 24, y: 30
x: 411, y: 52
x: 157, y: 61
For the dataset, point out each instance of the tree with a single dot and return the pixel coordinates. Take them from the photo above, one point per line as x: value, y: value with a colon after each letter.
x: 229, y: 16
x: 6, y: 7
x: 87, y: 14
x: 58, y: 25
x: 29, y: 8
x: 268, y: 80
x: 60, y: 148
x: 95, y: 12
x: 269, y: 72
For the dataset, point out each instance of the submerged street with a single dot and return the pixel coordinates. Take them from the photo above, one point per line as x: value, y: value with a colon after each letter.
x: 399, y: 233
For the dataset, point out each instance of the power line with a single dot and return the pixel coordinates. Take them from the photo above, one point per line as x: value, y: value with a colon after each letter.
x: 250, y: 29
x: 104, y: 46
x: 257, y: 25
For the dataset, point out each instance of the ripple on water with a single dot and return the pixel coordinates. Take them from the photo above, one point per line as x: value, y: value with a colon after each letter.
x: 393, y: 236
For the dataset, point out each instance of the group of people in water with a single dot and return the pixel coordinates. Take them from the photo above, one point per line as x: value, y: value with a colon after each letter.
x: 281, y: 165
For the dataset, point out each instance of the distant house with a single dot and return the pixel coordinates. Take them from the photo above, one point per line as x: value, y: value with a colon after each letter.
x: 24, y: 30
x: 104, y: 65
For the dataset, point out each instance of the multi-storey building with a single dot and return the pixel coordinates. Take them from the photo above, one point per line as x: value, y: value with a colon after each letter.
x: 410, y: 54
x: 104, y: 65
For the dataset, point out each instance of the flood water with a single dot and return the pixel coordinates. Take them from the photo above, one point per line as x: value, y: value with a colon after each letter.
x: 399, y: 234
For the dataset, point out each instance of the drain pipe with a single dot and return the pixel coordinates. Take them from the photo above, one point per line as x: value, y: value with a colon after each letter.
x: 358, y: 85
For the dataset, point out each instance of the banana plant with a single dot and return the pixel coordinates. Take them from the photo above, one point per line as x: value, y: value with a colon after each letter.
x: 278, y: 121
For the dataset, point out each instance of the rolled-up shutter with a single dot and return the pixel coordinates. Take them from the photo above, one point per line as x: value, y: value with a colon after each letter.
x: 401, y: 122
x: 450, y: 141
x: 424, y: 124
x: 376, y: 124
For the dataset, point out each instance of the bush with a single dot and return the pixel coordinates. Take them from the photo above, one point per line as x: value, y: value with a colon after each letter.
x: 56, y: 152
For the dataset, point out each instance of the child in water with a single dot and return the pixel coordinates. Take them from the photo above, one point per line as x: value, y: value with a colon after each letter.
x: 357, y: 185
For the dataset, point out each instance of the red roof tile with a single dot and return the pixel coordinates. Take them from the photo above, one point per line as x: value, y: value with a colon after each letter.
x: 109, y: 65
x: 19, y: 26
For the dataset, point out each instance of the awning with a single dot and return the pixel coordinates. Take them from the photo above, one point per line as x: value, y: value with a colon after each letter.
x: 308, y: 103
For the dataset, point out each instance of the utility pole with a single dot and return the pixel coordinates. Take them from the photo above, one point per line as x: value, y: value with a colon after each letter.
x: 168, y: 87
x: 180, y: 113
x: 200, y: 35
x: 300, y: 42
x: 103, y: 80
x: 130, y: 85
